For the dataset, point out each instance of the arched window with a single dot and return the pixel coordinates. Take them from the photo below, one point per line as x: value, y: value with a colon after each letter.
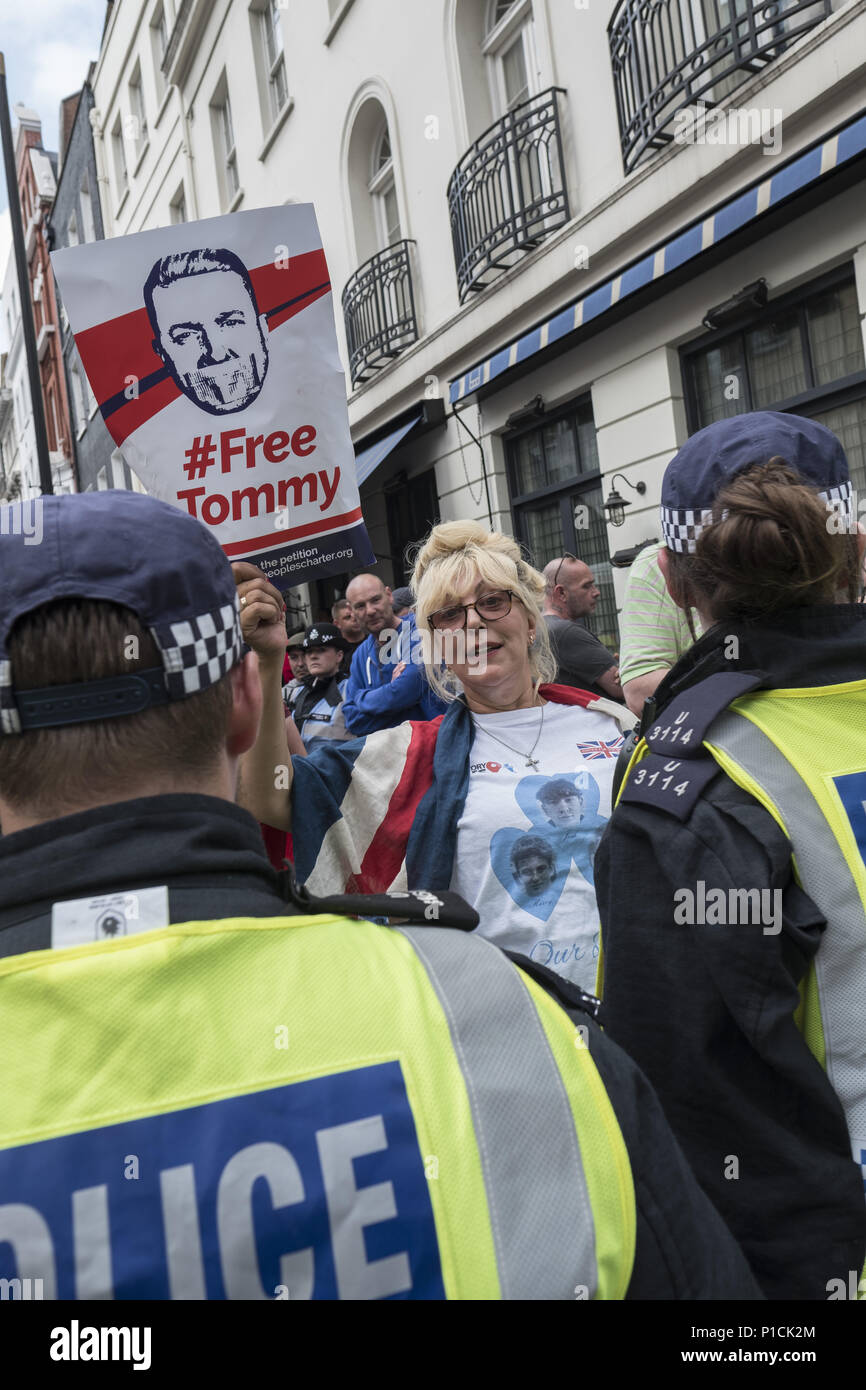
x: 509, y: 47
x: 383, y: 190
x: 373, y: 173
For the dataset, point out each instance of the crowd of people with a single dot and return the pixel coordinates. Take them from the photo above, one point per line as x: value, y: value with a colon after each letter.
x: 437, y: 950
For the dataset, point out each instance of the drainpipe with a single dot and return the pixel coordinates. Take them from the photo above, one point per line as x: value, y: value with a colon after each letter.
x: 186, y: 147
x: 103, y: 188
x: 474, y: 437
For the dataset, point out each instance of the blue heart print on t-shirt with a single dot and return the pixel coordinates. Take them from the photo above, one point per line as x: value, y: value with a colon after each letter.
x: 551, y: 843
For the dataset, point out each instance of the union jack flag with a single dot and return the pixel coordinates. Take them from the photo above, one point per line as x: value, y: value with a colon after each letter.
x: 601, y: 748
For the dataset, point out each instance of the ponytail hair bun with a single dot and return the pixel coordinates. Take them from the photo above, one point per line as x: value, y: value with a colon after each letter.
x: 769, y: 547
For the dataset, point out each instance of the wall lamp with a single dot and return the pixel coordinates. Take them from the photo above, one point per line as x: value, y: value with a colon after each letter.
x: 615, y: 505
x: 739, y: 307
x: 526, y: 413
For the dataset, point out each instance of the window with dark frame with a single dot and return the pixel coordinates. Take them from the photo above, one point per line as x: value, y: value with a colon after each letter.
x: 224, y: 141
x: 121, y: 175
x: 272, y: 30
x: 556, y: 499
x: 411, y: 510
x: 159, y: 44
x: 803, y: 353
x: 383, y: 191
x: 138, y: 112
x: 177, y: 207
x: 88, y: 227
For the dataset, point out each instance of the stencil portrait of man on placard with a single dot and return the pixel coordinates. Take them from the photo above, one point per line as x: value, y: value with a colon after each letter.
x: 207, y: 328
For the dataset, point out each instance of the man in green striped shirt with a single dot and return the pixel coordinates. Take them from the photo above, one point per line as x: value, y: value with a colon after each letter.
x: 654, y: 632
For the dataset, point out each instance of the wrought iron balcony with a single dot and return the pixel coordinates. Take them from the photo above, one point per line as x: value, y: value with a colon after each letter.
x: 668, y: 54
x: 379, y: 311
x: 508, y: 192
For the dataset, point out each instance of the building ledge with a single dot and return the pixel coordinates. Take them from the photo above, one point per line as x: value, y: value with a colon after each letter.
x: 337, y: 20
x: 236, y: 201
x: 163, y: 103
x: 139, y: 158
x: 277, y: 126
x: 45, y: 334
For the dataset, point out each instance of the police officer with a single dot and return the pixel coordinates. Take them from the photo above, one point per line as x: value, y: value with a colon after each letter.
x: 207, y: 1097
x: 294, y: 666
x: 316, y: 705
x: 731, y: 879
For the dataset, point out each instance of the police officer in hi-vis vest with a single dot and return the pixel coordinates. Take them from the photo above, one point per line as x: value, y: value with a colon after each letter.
x: 732, y: 872
x: 316, y: 705
x: 216, y: 1088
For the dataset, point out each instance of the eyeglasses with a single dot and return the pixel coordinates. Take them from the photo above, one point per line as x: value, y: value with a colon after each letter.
x: 567, y: 556
x: 490, y: 606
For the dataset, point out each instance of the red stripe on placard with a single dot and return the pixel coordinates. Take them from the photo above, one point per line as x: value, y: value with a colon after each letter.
x: 283, y: 315
x: 387, y: 850
x: 119, y: 353
x: 123, y: 422
x: 277, y: 537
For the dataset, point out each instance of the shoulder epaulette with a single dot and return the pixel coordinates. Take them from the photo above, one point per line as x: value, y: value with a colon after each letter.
x: 672, y: 775
x: 417, y: 907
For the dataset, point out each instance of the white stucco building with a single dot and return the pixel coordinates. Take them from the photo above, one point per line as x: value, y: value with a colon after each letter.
x: 521, y: 225
x: 17, y: 435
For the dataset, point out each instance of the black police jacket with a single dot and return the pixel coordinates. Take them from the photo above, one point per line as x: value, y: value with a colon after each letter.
x: 708, y: 1012
x: 209, y: 854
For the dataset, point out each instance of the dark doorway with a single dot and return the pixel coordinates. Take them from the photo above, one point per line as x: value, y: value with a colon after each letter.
x: 556, y: 497
x: 412, y: 508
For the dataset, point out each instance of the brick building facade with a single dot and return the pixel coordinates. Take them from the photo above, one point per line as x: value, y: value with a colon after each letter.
x: 36, y: 170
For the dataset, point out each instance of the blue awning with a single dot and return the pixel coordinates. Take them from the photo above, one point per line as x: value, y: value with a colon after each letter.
x: 369, y: 459
x: 805, y: 170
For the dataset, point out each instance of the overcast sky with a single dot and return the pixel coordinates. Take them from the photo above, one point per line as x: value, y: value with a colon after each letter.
x: 48, y: 45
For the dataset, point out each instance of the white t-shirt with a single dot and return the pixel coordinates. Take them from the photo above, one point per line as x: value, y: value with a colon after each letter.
x: 527, y: 837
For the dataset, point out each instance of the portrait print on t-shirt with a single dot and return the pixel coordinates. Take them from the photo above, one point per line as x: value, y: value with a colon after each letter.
x: 533, y: 864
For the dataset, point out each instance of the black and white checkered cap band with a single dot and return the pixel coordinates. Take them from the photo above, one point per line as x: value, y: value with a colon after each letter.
x: 10, y: 722
x: 681, y: 526
x: 841, y: 500
x: 195, y: 654
x: 198, y: 652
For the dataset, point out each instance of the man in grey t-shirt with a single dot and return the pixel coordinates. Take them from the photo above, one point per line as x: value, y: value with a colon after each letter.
x: 581, y: 659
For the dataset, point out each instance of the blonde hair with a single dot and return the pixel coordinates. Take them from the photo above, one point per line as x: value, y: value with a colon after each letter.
x: 454, y: 557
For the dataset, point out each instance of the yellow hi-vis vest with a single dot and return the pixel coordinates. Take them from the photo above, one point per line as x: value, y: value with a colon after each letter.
x: 303, y: 1107
x: 802, y: 754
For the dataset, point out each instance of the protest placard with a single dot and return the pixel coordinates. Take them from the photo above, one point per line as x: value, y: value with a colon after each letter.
x: 212, y: 353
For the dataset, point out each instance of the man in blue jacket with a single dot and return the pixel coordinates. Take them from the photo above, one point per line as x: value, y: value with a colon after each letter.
x: 387, y: 683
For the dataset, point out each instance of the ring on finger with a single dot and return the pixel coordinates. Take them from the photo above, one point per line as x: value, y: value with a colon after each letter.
x: 243, y: 601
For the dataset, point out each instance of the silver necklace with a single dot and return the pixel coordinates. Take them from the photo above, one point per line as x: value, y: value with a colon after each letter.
x: 530, y: 761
